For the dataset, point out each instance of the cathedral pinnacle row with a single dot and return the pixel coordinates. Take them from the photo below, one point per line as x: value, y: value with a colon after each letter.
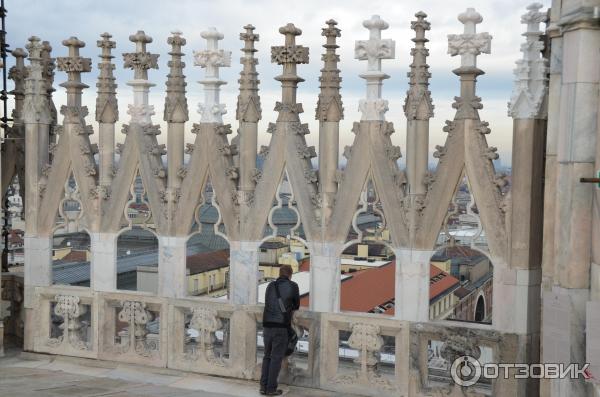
x: 211, y: 59
x: 373, y: 51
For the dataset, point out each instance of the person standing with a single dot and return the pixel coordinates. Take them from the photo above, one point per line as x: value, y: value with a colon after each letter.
x: 282, y: 297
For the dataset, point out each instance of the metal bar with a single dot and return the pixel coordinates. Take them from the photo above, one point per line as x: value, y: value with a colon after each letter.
x: 4, y: 125
x: 589, y: 180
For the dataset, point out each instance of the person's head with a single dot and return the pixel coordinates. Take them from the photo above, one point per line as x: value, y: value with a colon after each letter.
x: 285, y: 271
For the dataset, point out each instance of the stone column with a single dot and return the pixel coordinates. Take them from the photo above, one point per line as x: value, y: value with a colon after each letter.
x: 329, y: 112
x: 107, y: 112
x: 576, y: 156
x: 37, y: 249
x: 325, y: 276
x: 172, y: 281
x: 103, y: 261
x: 527, y: 107
x: 243, y: 272
x: 248, y: 114
x: 412, y: 284
x: 176, y: 111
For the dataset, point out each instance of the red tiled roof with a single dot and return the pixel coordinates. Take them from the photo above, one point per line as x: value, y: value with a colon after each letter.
x: 365, y: 289
x: 75, y: 256
x: 369, y: 288
x: 443, y: 283
x: 206, y: 261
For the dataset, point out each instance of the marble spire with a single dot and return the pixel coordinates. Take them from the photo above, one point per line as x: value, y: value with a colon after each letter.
x: 289, y: 55
x: 35, y: 104
x: 48, y: 67
x: 176, y: 110
x: 329, y: 105
x: 212, y: 58
x: 373, y: 51
x: 140, y: 61
x: 107, y: 112
x: 418, y: 104
x: 329, y: 112
x: 248, y: 113
x: 469, y: 44
x: 248, y: 105
x: 17, y: 74
x: 418, y: 109
x: 531, y: 81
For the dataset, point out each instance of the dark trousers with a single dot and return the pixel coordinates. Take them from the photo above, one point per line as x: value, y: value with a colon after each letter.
x: 275, y: 340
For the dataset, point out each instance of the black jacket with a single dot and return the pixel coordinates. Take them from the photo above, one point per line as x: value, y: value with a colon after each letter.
x: 272, y: 315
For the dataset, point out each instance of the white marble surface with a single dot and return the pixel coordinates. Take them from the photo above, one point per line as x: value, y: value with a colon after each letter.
x: 38, y: 265
x: 172, y: 266
x: 412, y: 284
x: 103, y: 270
x: 243, y: 273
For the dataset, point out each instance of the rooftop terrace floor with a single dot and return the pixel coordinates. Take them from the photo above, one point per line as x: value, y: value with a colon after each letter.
x: 26, y: 374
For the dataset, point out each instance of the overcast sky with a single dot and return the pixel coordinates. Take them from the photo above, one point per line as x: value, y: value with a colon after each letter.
x: 59, y: 19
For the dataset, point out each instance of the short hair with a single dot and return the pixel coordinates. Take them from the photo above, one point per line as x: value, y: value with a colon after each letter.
x: 285, y: 270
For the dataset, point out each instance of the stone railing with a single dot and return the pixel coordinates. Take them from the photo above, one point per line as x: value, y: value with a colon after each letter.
x: 350, y: 353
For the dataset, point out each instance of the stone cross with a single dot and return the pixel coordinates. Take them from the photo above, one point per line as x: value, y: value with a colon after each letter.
x: 212, y: 59
x: 373, y: 51
x: 140, y: 61
x: 469, y: 44
x: 74, y: 65
x: 289, y: 55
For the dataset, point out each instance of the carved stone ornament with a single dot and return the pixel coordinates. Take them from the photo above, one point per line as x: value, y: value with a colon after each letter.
x: 69, y: 308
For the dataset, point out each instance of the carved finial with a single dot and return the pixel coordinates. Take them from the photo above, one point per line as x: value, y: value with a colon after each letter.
x: 248, y: 105
x: 140, y: 60
x: 373, y: 51
x: 35, y: 104
x: 74, y: 65
x: 469, y: 44
x: 418, y: 104
x: 329, y: 106
x: 176, y: 107
x: 531, y: 81
x: 289, y: 55
x: 212, y: 59
x: 18, y: 73
x: 106, y: 102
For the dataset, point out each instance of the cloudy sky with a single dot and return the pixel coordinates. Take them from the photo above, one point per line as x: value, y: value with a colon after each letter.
x: 59, y: 19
